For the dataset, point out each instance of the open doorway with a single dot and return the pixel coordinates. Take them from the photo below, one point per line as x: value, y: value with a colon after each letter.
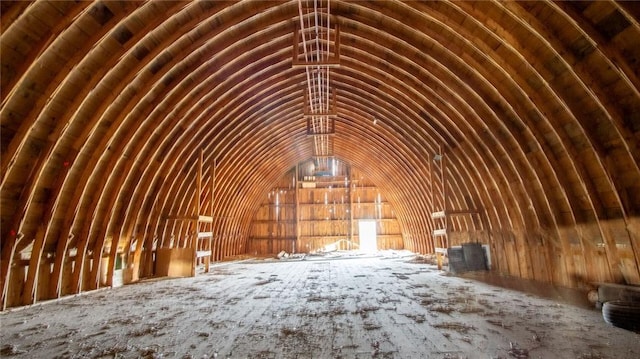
x: 368, y: 239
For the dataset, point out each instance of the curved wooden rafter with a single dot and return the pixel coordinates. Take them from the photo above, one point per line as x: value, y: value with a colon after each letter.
x: 106, y: 105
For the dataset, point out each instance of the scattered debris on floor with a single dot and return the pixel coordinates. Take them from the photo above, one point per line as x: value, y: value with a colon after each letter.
x: 290, y: 256
x: 516, y: 352
x: 388, y: 305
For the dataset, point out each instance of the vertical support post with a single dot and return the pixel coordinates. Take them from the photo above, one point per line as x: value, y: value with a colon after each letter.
x: 433, y: 207
x: 30, y: 290
x: 215, y: 245
x: 199, y: 184
x: 8, y: 252
x: 443, y: 183
x: 196, y: 221
x: 350, y: 234
x: 55, y: 286
x: 439, y: 203
x: 137, y: 257
x: 80, y: 261
x: 207, y: 260
x: 297, y: 208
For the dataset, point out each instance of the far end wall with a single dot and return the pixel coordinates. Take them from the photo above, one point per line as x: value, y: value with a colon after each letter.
x: 304, y: 213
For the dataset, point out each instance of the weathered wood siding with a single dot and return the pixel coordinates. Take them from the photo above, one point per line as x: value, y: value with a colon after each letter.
x: 325, y: 215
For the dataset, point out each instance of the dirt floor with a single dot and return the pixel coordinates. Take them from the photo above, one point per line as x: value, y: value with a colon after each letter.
x: 385, y: 307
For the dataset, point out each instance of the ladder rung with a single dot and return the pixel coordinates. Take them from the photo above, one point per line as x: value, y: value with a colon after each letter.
x: 440, y: 232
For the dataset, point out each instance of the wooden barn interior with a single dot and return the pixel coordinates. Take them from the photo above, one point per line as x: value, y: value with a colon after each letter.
x: 143, y: 139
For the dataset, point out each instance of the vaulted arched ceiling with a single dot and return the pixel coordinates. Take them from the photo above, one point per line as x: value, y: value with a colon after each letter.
x: 106, y: 106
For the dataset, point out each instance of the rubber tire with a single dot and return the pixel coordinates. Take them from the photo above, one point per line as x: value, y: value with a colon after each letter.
x: 622, y: 314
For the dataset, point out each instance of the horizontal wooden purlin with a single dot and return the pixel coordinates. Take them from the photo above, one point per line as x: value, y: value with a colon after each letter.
x: 311, y: 106
x: 322, y: 156
x: 180, y: 218
x: 200, y: 254
x: 320, y: 134
x: 273, y: 238
x: 321, y: 114
x: 331, y: 122
x: 441, y: 250
x: 330, y: 63
x: 461, y: 212
x: 440, y: 232
x: 333, y: 61
x: 321, y: 236
x: 205, y: 234
x: 332, y: 220
x: 204, y: 219
x: 264, y: 221
x: 329, y: 129
x: 309, y: 12
x: 442, y: 214
x: 325, y: 154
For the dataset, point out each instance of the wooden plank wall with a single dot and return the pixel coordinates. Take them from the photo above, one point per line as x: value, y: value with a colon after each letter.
x: 538, y: 107
x: 326, y: 216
